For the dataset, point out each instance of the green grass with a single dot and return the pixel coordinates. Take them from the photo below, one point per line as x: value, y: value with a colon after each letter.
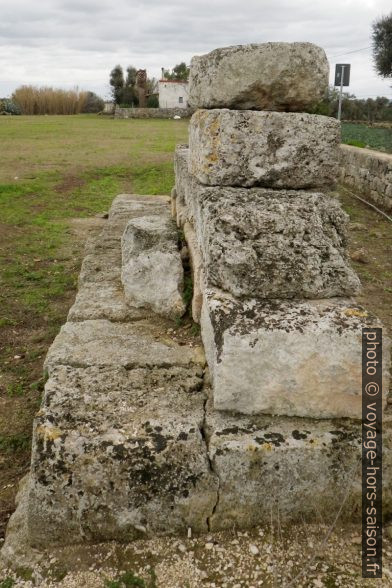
x: 14, y: 443
x: 69, y: 166
x: 364, y: 136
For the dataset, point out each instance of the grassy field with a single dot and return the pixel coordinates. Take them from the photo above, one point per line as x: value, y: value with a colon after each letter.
x: 364, y: 136
x: 54, y: 169
x: 57, y: 169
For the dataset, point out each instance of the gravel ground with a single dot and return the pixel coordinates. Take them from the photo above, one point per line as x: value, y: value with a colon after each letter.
x: 295, y: 556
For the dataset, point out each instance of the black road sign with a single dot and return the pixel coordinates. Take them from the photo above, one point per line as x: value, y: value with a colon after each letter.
x: 342, y: 68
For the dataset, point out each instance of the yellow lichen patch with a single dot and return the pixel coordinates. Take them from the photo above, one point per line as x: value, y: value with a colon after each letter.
x: 355, y: 312
x: 48, y: 433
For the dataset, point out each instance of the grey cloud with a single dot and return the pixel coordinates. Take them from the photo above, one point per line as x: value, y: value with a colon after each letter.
x: 96, y: 34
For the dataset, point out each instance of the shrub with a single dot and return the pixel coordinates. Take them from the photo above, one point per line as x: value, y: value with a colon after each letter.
x: 9, y: 106
x: 93, y: 103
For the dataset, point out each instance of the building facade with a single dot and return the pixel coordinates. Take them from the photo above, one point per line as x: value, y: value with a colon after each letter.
x: 173, y: 94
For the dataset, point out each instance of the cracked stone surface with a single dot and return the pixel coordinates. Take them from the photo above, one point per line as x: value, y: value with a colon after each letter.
x: 152, y: 274
x: 270, y: 149
x: 287, y: 358
x: 269, y: 76
x: 294, y: 469
x: 118, y: 454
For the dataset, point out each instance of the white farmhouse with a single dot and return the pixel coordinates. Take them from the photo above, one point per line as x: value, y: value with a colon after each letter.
x: 173, y: 94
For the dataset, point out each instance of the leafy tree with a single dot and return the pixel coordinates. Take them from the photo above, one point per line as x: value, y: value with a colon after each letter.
x: 9, y: 106
x: 93, y: 103
x: 131, y: 76
x: 382, y: 46
x: 125, y: 92
x: 153, y: 101
x: 179, y: 72
x: 130, y: 96
x: 117, y: 82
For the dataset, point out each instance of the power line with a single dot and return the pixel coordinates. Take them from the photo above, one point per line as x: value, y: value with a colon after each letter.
x: 348, y: 52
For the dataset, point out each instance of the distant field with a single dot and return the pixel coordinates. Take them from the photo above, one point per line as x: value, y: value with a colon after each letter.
x: 364, y: 136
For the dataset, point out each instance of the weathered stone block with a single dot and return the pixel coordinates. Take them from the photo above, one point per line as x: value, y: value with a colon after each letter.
x: 269, y: 76
x: 273, y: 244
x: 283, y: 469
x: 119, y: 455
x: 266, y: 243
x: 152, y: 272
x: 104, y: 300
x: 126, y: 206
x: 287, y: 358
x: 270, y: 149
x: 103, y: 343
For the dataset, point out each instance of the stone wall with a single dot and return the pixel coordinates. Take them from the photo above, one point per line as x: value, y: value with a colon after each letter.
x: 369, y: 173
x: 152, y: 112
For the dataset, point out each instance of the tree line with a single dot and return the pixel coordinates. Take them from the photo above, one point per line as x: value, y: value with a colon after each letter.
x: 45, y: 100
x: 360, y: 109
x: 124, y: 90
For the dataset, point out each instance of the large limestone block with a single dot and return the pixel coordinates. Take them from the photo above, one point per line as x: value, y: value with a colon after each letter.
x: 103, y: 343
x: 287, y: 358
x: 267, y: 243
x: 119, y: 455
x: 269, y: 76
x: 271, y: 149
x: 283, y: 469
x: 152, y: 272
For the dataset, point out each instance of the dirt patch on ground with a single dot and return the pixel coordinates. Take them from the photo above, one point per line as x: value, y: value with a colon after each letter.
x: 69, y: 183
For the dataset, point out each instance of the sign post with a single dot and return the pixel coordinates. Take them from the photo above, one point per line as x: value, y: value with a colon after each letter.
x: 342, y: 78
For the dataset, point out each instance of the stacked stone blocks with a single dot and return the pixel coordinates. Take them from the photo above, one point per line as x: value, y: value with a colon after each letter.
x: 281, y: 331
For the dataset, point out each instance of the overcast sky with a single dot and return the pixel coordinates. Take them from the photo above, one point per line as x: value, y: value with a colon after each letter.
x: 67, y: 43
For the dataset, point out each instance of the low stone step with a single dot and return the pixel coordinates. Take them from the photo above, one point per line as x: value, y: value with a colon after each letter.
x: 131, y: 345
